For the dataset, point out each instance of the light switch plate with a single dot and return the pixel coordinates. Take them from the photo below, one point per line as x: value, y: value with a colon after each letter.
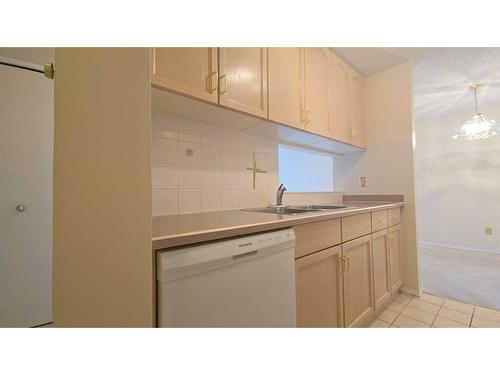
x: 363, y: 182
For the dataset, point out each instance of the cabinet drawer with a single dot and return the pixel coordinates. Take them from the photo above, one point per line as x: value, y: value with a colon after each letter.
x: 356, y: 226
x: 379, y: 220
x: 317, y: 236
x: 394, y: 216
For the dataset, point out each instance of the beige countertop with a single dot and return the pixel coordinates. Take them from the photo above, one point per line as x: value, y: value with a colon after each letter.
x: 185, y: 229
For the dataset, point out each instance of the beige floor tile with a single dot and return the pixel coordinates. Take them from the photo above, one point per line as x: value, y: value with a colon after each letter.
x: 441, y: 322
x: 420, y: 304
x: 487, y: 314
x: 403, y: 298
x: 457, y: 316
x: 479, y: 322
x: 393, y: 326
x: 419, y: 315
x: 387, y: 316
x: 432, y: 299
x: 396, y: 307
x: 458, y: 306
x: 377, y: 323
x: 403, y: 321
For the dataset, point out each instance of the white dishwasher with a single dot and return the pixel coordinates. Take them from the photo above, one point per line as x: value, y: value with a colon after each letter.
x: 242, y: 282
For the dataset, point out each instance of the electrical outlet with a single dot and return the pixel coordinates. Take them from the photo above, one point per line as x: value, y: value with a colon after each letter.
x: 488, y: 230
x: 363, y: 182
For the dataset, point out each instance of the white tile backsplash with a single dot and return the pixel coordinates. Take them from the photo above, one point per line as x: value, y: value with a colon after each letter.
x: 200, y: 168
x: 189, y: 177
x: 210, y: 156
x: 245, y: 180
x: 245, y: 198
x: 211, y: 200
x: 229, y: 157
x: 228, y: 137
x: 165, y: 202
x: 210, y: 135
x: 245, y: 158
x: 229, y: 178
x: 229, y: 199
x: 165, y: 176
x: 210, y: 178
x: 164, y: 150
x: 189, y: 153
x: 189, y: 131
x: 165, y: 126
x: 189, y: 201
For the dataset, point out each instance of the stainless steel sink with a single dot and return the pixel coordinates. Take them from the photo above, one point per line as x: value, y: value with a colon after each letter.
x: 318, y: 207
x: 281, y: 210
x: 292, y: 210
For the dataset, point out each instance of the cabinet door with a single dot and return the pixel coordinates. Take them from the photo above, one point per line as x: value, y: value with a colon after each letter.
x: 319, y: 289
x: 381, y: 273
x: 357, y: 280
x: 243, y: 79
x: 357, y: 109
x: 394, y: 244
x: 317, y: 68
x: 190, y: 71
x: 285, y: 67
x: 341, y: 129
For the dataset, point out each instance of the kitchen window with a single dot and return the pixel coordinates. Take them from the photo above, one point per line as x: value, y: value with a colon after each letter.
x: 302, y: 170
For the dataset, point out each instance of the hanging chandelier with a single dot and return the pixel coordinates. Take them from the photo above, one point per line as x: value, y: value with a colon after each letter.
x: 477, y: 127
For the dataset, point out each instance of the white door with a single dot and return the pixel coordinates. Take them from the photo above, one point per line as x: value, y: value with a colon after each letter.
x: 26, y: 144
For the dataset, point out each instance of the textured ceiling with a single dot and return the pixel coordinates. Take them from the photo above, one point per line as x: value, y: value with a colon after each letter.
x: 442, y: 80
x: 441, y: 76
x: 372, y: 60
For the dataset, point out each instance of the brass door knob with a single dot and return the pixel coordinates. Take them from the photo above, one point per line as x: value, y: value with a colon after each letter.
x: 20, y: 207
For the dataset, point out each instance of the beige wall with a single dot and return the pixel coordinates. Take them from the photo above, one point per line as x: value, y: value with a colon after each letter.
x: 389, y: 162
x: 103, y: 261
x: 457, y: 177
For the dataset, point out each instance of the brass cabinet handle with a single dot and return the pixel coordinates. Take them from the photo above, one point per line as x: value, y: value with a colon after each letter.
x: 391, y: 241
x: 20, y: 208
x: 212, y: 81
x: 346, y: 261
x: 222, y: 79
x: 380, y: 221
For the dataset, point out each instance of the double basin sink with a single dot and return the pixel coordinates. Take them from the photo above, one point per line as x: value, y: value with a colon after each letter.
x: 293, y: 210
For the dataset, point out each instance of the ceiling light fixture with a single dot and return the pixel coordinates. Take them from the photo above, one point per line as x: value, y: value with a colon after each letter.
x: 477, y: 127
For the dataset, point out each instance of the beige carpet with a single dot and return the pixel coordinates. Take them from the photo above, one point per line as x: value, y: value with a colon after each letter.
x: 466, y: 276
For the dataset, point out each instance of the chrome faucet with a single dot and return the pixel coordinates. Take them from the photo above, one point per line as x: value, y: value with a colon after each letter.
x: 279, y: 195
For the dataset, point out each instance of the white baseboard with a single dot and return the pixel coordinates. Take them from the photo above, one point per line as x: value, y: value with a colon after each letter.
x: 452, y: 247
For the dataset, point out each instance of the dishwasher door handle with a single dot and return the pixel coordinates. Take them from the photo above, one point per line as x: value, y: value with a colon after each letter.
x: 244, y: 255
